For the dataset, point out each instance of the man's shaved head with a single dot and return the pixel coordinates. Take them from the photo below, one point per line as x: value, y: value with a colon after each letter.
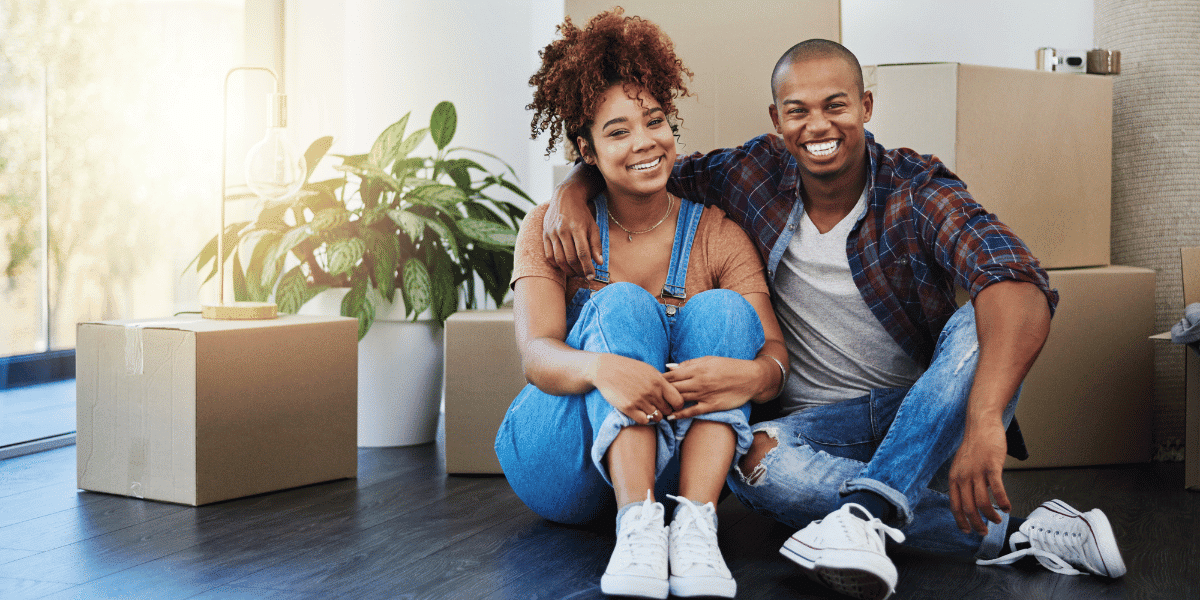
x: 811, y: 49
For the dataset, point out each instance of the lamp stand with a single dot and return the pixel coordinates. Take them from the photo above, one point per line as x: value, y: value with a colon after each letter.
x: 236, y: 310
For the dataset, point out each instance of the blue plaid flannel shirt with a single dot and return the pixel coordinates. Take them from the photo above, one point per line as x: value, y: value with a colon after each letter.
x: 921, y: 235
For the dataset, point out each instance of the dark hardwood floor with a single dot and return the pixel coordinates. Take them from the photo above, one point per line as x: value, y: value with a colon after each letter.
x: 404, y: 529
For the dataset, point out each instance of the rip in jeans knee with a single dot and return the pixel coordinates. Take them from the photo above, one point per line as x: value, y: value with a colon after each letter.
x: 759, y: 472
x: 962, y: 363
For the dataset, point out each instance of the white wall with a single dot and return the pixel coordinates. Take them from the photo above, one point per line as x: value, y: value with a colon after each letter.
x: 356, y: 66
x: 998, y: 34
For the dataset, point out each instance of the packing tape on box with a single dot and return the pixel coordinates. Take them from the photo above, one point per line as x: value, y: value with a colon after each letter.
x: 135, y: 361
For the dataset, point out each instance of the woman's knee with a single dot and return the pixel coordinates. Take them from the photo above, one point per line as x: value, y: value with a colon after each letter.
x: 626, y: 297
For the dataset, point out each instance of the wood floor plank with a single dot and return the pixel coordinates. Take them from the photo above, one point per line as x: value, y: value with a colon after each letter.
x: 12, y: 588
x: 8, y: 555
x: 380, y: 550
x: 101, y: 515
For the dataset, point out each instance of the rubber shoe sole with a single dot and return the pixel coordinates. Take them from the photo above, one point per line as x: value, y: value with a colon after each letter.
x: 855, y: 574
x: 634, y: 586
x: 706, y: 587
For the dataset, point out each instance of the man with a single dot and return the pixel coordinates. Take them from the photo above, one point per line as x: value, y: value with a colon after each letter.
x: 892, y: 388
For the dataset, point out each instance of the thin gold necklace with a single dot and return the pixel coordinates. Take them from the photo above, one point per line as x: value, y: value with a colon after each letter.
x: 670, y: 204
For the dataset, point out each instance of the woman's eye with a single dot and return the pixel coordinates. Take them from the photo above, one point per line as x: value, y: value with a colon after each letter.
x: 656, y: 121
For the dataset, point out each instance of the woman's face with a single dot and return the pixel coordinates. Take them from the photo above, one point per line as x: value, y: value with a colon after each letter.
x: 632, y: 143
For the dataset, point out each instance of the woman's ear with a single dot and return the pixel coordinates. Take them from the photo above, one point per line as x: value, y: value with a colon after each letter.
x: 585, y: 150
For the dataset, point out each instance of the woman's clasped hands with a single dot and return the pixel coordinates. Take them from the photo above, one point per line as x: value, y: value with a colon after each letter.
x: 694, y: 387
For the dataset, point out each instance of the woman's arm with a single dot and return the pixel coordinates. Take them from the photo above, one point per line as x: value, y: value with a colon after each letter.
x: 717, y: 383
x: 631, y: 386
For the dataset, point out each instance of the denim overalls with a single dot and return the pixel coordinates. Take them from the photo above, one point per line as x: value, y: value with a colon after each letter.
x: 552, y: 447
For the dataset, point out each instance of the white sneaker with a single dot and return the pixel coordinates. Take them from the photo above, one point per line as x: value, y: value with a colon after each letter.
x: 638, y: 566
x: 697, y: 568
x: 846, y: 553
x: 1062, y: 538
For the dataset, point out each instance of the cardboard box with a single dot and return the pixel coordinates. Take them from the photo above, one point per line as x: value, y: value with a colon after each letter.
x: 1088, y: 398
x: 1034, y: 147
x: 193, y: 411
x: 483, y: 375
x: 1190, y: 258
x: 731, y: 46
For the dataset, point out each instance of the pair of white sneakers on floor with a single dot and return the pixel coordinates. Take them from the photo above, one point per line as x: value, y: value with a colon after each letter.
x: 845, y: 550
x: 645, y: 546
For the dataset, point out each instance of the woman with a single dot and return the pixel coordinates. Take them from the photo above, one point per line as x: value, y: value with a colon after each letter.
x: 639, y: 378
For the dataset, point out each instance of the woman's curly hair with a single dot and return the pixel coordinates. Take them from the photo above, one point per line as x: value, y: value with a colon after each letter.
x: 578, y: 69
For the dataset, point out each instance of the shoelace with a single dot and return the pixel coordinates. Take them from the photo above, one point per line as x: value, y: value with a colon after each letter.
x: 1056, y: 549
x: 697, y: 535
x: 844, y: 518
x: 642, y: 532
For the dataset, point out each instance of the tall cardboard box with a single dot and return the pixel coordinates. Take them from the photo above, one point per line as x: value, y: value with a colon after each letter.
x: 1191, y: 365
x: 193, y: 411
x: 1088, y: 398
x: 1034, y: 147
x: 483, y: 375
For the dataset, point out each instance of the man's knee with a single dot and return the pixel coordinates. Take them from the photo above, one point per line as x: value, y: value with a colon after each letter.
x: 751, y: 467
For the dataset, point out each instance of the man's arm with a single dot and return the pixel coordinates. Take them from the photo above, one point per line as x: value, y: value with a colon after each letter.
x: 569, y: 231
x: 1012, y: 320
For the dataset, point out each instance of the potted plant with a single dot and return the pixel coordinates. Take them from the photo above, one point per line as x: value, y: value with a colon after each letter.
x: 395, y: 231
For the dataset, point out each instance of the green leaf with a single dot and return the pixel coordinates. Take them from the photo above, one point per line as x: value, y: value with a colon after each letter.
x: 258, y: 281
x: 240, y: 293
x: 488, y: 232
x: 404, y: 168
x: 444, y: 233
x: 291, y: 294
x: 344, y: 255
x: 356, y: 304
x: 383, y: 151
x: 444, y: 292
x: 316, y: 151
x: 441, y: 194
x: 417, y: 293
x: 329, y: 218
x: 287, y: 242
x: 411, y: 143
x: 384, y: 250
x: 232, y: 232
x: 443, y: 123
x: 412, y: 225
x: 512, y: 187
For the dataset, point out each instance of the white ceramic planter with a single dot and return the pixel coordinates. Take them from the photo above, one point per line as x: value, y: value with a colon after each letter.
x: 399, y: 374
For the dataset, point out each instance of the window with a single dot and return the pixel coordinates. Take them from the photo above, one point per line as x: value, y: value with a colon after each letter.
x: 110, y: 146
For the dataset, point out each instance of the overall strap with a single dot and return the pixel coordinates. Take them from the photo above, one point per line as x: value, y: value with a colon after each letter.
x: 601, y: 202
x: 685, y: 234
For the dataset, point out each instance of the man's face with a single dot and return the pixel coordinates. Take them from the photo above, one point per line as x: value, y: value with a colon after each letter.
x: 820, y: 114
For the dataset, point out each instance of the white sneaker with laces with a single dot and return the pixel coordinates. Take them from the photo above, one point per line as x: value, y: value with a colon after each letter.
x: 638, y: 566
x: 1062, y: 538
x: 846, y: 553
x: 697, y: 568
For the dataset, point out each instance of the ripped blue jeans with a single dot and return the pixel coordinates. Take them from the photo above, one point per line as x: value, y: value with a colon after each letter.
x: 552, y: 447
x: 893, y: 442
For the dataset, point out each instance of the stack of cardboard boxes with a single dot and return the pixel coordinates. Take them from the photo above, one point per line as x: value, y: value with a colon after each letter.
x: 1035, y: 149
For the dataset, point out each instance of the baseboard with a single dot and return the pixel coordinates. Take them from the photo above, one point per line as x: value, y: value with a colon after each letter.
x: 32, y: 369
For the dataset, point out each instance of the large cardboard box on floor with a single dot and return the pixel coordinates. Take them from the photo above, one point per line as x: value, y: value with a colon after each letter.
x: 1191, y: 363
x: 483, y: 375
x: 1088, y: 398
x: 1034, y: 147
x: 193, y: 411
